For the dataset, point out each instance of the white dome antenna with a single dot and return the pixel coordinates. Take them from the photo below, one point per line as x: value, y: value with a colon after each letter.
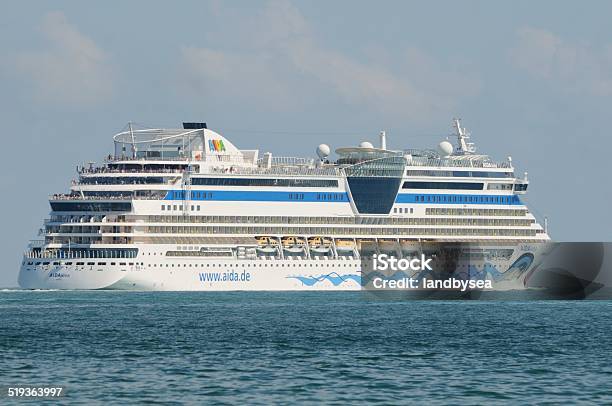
x: 366, y: 144
x: 323, y: 151
x: 445, y: 148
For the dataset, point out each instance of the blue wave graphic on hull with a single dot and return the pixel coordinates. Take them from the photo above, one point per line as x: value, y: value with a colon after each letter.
x: 333, y: 277
x: 488, y: 271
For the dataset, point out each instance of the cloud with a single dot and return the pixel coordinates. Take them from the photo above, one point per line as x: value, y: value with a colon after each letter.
x: 71, y: 70
x: 278, y: 63
x: 573, y: 67
x: 227, y: 76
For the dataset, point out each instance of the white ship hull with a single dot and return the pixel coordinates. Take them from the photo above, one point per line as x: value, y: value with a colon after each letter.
x: 195, y: 274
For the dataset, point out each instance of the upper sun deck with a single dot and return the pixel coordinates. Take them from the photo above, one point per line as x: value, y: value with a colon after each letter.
x: 431, y: 158
x: 194, y: 142
x: 197, y: 149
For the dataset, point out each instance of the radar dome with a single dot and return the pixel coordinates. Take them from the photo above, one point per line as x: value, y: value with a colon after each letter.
x: 366, y: 144
x: 323, y: 151
x: 446, y: 148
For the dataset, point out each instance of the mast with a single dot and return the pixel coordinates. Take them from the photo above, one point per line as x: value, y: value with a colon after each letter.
x: 464, y: 147
x: 133, y: 141
x: 383, y: 140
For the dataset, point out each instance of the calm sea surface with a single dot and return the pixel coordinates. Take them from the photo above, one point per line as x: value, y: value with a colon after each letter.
x: 305, y: 347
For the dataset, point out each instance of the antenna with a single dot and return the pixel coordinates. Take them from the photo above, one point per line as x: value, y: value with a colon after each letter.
x: 133, y: 141
x: 464, y: 147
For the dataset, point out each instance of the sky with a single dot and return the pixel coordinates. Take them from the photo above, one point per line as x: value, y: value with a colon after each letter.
x: 531, y: 80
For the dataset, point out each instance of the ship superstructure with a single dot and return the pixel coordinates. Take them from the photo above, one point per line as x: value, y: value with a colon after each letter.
x: 185, y: 209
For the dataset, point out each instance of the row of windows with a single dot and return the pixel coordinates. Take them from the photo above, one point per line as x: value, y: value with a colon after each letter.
x: 200, y: 195
x: 520, y: 187
x: 195, y: 195
x: 402, y: 210
x: 106, y: 194
x: 151, y: 194
x: 343, y: 231
x: 436, y: 211
x: 260, y: 264
x: 238, y: 229
x: 330, y: 196
x: 499, y: 186
x: 120, y: 194
x: 292, y: 196
x: 77, y: 228
x: 81, y: 263
x: 80, y: 240
x: 91, y: 206
x: 86, y: 253
x: 122, y: 180
x: 295, y: 182
x: 465, y: 174
x: 444, y: 185
x: 410, y: 221
x: 85, y: 218
x: 466, y: 199
x: 179, y: 207
x: 198, y: 254
x: 331, y: 220
x: 473, y: 222
x: 147, y: 167
x: 348, y: 220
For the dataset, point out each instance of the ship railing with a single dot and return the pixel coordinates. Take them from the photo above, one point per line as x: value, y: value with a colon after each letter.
x: 287, y: 160
x: 154, y: 196
x: 36, y: 243
x: 449, y: 162
x: 79, y: 197
x: 278, y: 170
x: 236, y: 158
x: 83, y: 219
x: 102, y: 170
x: 113, y: 159
x: 119, y: 180
x: 76, y: 253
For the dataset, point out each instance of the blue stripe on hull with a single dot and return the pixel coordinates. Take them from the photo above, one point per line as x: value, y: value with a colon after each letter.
x: 259, y: 196
x: 337, y: 197
x: 457, y: 199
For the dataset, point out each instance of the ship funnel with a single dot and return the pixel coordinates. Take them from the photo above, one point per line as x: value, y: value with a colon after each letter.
x: 194, y: 126
x: 383, y: 140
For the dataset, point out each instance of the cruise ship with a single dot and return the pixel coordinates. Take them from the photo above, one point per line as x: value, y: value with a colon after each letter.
x: 185, y: 209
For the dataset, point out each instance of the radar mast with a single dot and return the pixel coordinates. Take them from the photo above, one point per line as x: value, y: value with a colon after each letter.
x: 463, y: 146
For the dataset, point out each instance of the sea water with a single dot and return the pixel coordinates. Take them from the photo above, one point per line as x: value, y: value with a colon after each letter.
x: 343, y: 348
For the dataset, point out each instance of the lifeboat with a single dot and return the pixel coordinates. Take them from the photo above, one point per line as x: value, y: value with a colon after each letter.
x: 266, y: 245
x: 293, y: 245
x: 320, y: 246
x: 345, y: 245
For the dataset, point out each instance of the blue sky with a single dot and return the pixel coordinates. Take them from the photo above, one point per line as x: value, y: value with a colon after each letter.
x: 530, y: 79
